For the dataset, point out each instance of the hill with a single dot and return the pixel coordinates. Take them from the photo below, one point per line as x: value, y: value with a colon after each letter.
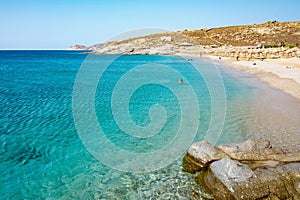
x: 274, y: 32
x: 229, y: 41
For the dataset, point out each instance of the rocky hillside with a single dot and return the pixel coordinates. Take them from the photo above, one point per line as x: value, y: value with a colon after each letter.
x: 163, y: 43
x: 277, y: 33
x: 224, y: 41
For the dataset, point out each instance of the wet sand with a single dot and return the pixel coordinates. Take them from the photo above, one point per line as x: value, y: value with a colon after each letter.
x: 275, y: 113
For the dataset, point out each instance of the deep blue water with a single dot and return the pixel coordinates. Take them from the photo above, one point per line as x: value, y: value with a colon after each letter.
x: 42, y: 155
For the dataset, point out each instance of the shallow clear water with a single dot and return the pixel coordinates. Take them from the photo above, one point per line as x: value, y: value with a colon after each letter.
x: 42, y: 155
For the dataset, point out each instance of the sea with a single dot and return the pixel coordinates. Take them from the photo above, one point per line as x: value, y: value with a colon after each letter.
x: 79, y: 126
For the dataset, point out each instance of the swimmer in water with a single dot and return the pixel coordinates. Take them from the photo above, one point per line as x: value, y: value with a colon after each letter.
x: 180, y: 81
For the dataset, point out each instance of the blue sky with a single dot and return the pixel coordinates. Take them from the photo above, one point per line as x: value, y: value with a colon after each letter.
x: 57, y: 24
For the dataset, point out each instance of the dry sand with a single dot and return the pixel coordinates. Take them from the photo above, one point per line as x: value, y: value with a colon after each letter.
x: 283, y: 73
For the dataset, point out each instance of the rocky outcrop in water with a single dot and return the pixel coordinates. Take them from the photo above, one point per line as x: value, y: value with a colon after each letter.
x: 247, y: 170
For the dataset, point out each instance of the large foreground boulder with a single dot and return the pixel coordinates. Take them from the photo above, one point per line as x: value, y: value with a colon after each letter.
x: 229, y: 179
x: 246, y: 170
x: 254, y: 153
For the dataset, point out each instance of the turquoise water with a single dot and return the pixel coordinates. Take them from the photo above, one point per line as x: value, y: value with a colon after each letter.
x: 42, y: 155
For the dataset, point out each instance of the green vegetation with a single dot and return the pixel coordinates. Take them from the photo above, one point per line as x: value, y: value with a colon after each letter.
x: 293, y: 45
x: 270, y: 46
x: 282, y: 44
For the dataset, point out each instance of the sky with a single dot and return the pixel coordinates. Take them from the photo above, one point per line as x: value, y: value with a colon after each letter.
x: 58, y: 24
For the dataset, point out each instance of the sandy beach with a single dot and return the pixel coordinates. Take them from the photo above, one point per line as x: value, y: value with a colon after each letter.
x: 282, y: 73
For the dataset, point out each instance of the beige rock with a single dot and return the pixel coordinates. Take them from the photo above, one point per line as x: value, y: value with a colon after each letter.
x: 250, y: 150
x: 258, y: 150
x: 200, y: 154
x: 229, y: 179
x: 251, y: 169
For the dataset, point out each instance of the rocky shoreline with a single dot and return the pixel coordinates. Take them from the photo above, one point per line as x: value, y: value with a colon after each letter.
x: 252, y: 169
